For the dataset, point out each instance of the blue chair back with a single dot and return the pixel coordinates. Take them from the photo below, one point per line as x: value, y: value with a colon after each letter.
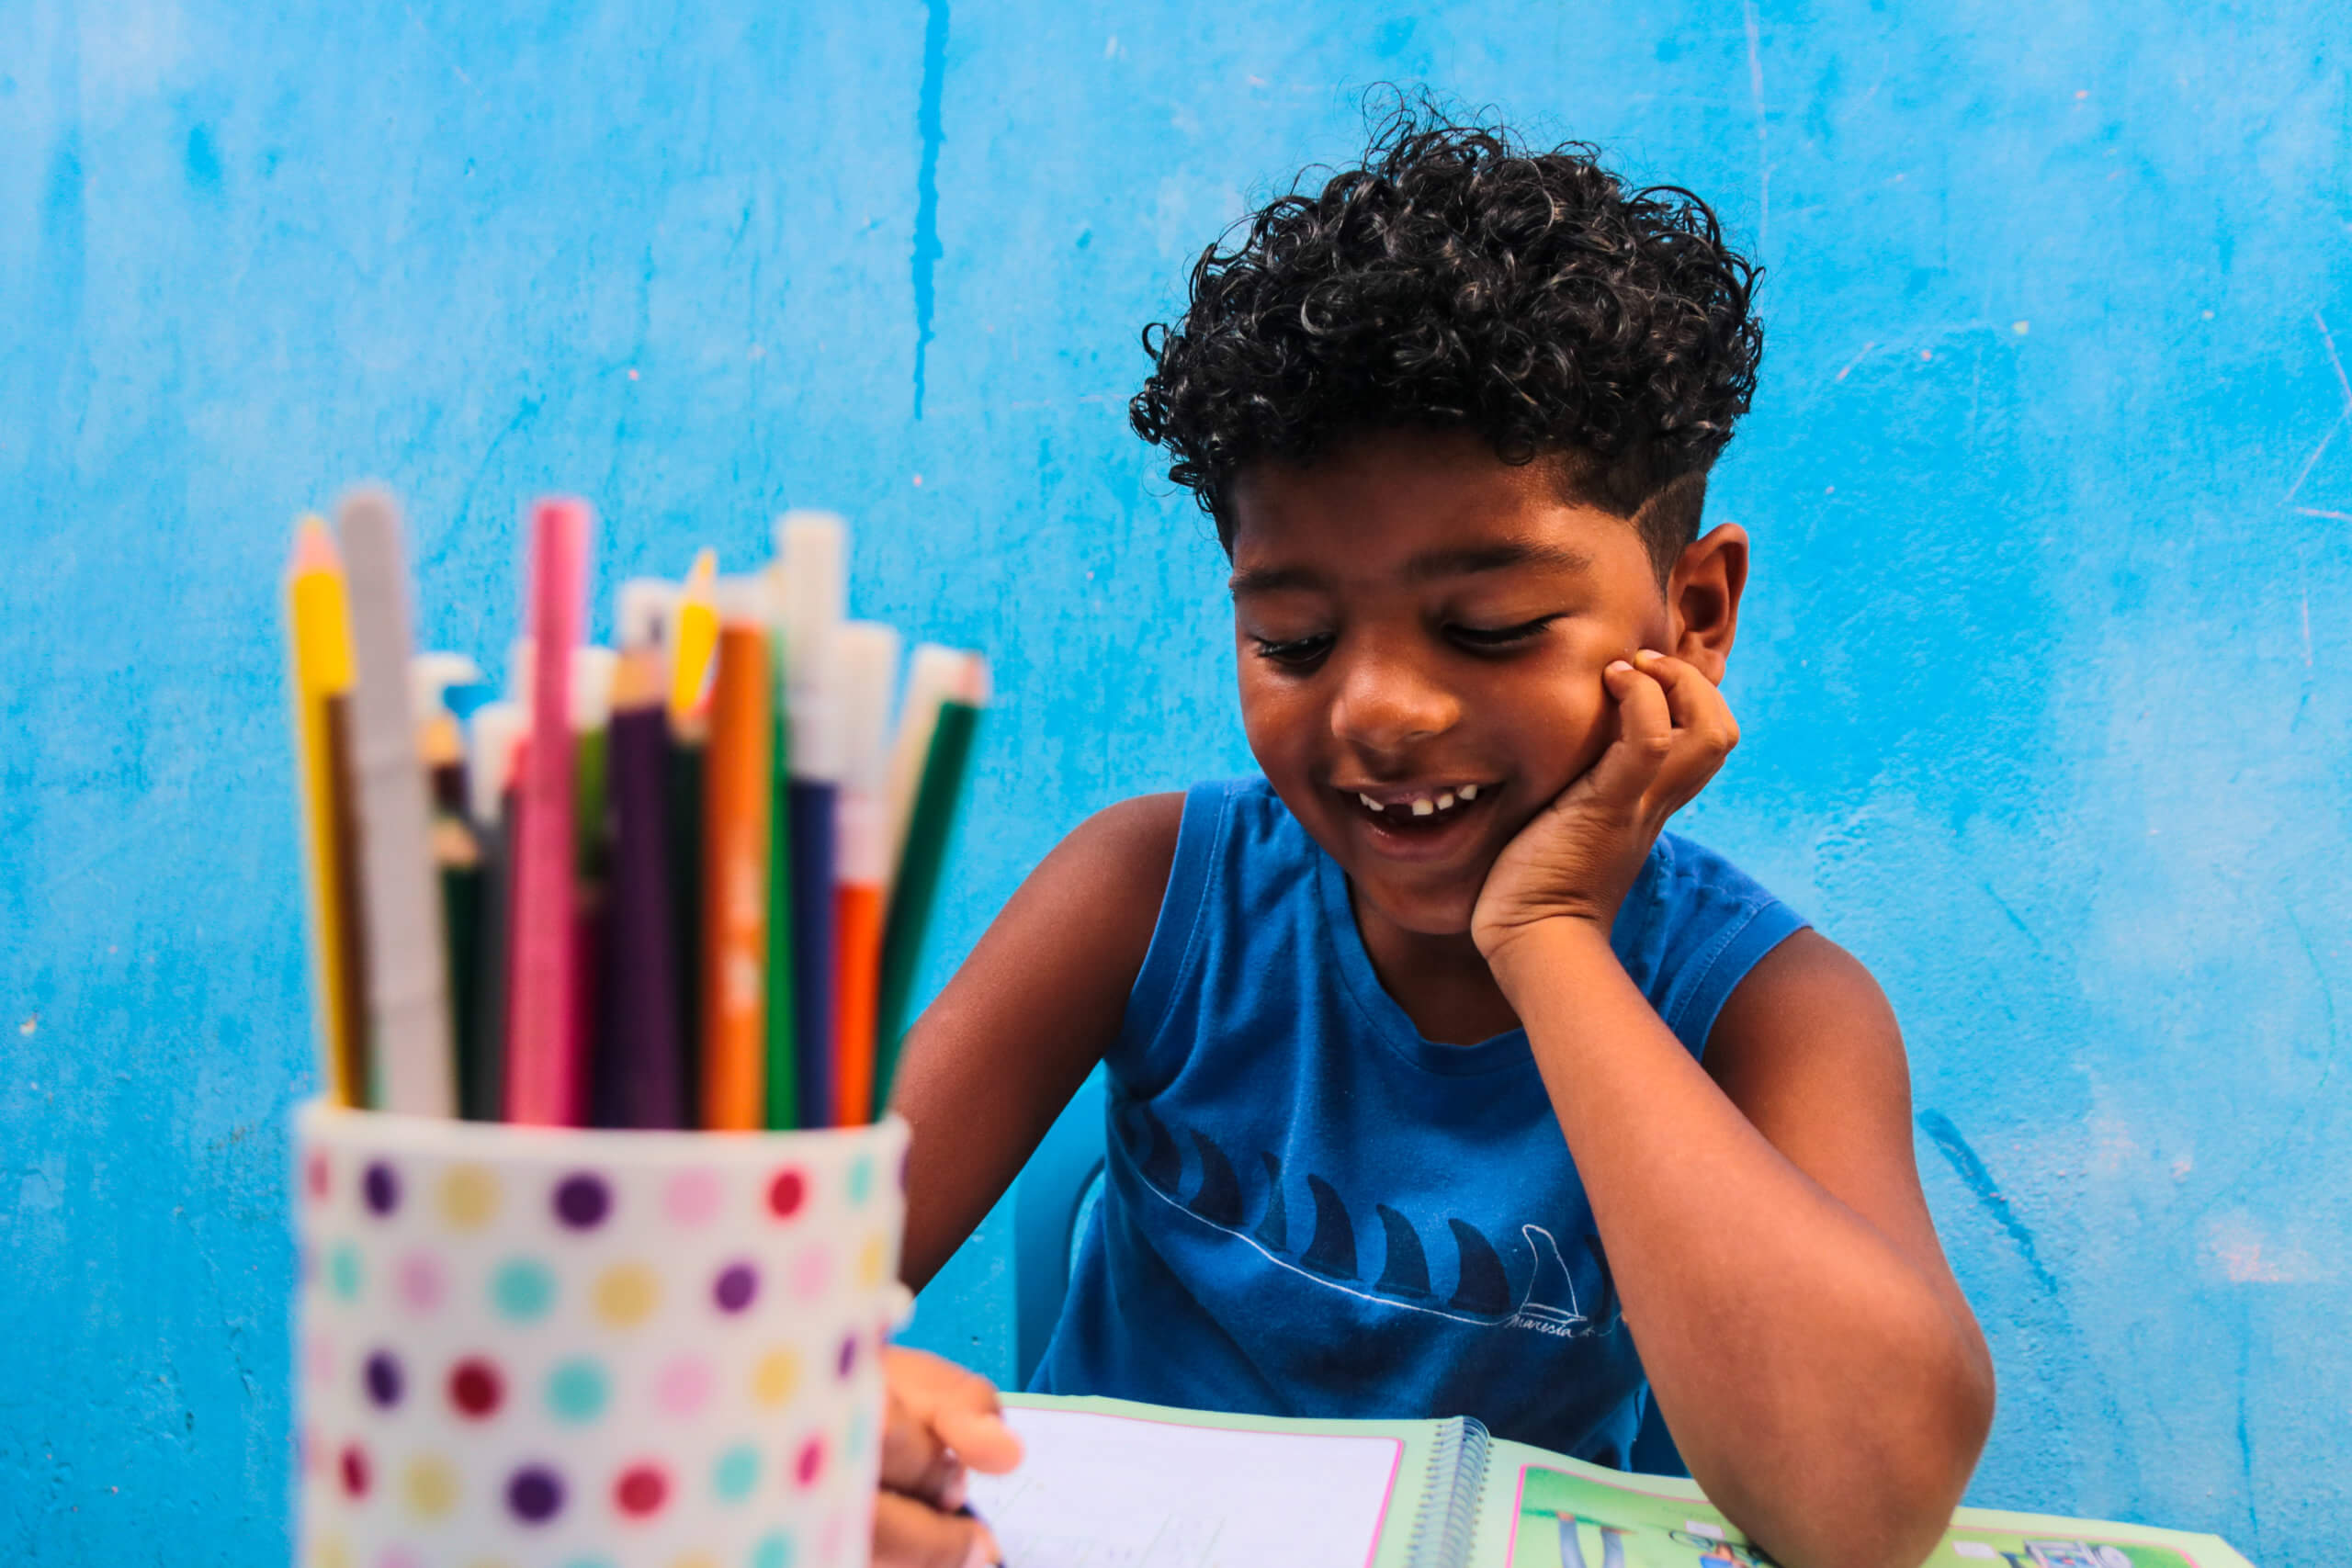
x: 1056, y: 1197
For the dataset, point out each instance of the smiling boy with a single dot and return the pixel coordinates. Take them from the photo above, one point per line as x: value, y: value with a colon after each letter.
x: 1442, y: 1080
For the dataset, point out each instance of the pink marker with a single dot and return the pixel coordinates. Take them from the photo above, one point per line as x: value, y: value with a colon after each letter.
x: 543, y: 1067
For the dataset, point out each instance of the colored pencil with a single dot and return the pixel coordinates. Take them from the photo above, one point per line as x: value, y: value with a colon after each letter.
x: 592, y: 695
x: 351, y: 904
x: 689, y: 758
x: 736, y: 822
x: 543, y: 1073
x: 783, y: 1062
x: 408, y: 996
x: 497, y: 731
x: 933, y: 674
x: 319, y: 638
x: 918, y: 882
x: 866, y: 659
x: 811, y: 550
x: 694, y: 639
x: 644, y: 1069
x: 459, y: 866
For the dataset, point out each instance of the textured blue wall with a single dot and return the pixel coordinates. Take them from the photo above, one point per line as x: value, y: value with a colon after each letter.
x: 2045, y: 675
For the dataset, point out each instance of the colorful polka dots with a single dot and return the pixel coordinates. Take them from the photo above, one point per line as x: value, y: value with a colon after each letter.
x: 468, y: 1197
x: 429, y: 1488
x: 476, y: 1391
x: 787, y: 1192
x: 692, y: 1198
x: 522, y: 1290
x: 736, y: 1285
x: 535, y: 1494
x: 380, y: 1185
x: 582, y: 1200
x: 419, y: 1282
x: 353, y: 1469
x: 627, y: 1294
x: 736, y: 1473
x: 812, y: 1272
x: 578, y: 1390
x: 383, y: 1376
x: 682, y: 1386
x: 343, y: 1270
x: 588, y: 1349
x: 641, y: 1491
x: 861, y: 1433
x: 774, y: 1377
x: 870, y: 1263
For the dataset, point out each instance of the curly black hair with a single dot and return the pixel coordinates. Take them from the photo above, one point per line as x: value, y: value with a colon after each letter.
x: 1455, y: 280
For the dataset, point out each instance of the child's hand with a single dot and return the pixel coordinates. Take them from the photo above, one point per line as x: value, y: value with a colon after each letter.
x: 1575, y: 858
x: 940, y: 1420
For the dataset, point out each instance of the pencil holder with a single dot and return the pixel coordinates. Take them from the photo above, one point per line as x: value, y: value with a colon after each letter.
x: 532, y: 1348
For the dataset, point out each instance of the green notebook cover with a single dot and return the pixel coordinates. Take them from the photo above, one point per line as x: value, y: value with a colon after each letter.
x: 1106, y: 1481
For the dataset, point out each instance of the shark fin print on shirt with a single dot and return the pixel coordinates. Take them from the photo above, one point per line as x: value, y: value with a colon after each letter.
x: 1481, y: 1289
x: 1274, y: 1230
x: 1163, y: 1161
x: 1333, y: 1249
x: 1219, y: 1199
x: 1404, y: 1270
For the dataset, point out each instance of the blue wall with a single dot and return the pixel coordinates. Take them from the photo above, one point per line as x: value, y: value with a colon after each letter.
x: 2045, y: 676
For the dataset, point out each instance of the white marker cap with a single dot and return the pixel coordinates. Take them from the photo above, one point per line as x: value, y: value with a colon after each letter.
x: 497, y: 731
x: 430, y: 676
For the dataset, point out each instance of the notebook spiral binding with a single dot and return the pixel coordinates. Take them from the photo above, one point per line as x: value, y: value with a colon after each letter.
x: 1449, y: 1511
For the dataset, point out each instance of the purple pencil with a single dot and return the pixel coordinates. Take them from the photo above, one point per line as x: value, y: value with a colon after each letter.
x: 648, y: 1082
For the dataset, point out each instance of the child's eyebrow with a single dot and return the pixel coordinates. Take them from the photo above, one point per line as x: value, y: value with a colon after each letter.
x: 1428, y: 566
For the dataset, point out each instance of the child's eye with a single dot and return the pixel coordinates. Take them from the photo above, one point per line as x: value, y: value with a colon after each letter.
x: 1294, y: 653
x: 1485, y: 638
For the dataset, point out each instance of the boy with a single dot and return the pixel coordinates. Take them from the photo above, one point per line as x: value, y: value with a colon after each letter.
x: 1442, y: 1080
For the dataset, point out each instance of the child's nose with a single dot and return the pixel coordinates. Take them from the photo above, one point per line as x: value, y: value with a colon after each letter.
x: 1385, y: 703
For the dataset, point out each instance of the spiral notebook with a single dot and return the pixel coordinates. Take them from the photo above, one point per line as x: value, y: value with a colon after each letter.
x: 1106, y: 1483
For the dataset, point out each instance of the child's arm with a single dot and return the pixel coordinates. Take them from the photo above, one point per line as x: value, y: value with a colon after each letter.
x: 992, y: 1062
x: 1815, y: 1361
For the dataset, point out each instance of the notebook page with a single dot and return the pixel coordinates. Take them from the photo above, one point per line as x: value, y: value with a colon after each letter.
x: 1541, y: 1510
x: 1100, y: 1491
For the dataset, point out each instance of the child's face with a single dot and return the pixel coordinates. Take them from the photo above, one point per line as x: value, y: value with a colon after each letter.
x: 1419, y: 622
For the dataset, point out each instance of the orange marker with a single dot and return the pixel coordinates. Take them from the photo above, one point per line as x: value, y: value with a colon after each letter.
x: 865, y: 658
x: 738, y: 812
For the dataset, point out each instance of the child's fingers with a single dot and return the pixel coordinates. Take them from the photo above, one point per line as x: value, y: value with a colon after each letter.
x: 959, y: 1407
x: 910, y: 1534
x: 980, y: 1437
x: 1696, y: 703
x: 917, y: 1460
x: 1644, y: 732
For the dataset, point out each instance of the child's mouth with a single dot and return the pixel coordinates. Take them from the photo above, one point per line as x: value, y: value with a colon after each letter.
x: 1421, y: 820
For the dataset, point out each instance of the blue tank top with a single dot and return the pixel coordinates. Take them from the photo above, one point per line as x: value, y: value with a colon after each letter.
x: 1310, y: 1210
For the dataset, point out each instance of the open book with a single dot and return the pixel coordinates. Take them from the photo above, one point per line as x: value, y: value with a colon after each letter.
x: 1109, y: 1484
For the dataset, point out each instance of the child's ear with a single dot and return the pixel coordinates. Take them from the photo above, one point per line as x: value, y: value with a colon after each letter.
x: 1702, y: 599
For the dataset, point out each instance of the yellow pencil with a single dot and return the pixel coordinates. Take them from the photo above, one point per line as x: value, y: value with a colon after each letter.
x: 694, y: 640
x: 319, y: 631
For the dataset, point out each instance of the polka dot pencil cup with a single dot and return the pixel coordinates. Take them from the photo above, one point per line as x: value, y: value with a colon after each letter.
x: 525, y: 1348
